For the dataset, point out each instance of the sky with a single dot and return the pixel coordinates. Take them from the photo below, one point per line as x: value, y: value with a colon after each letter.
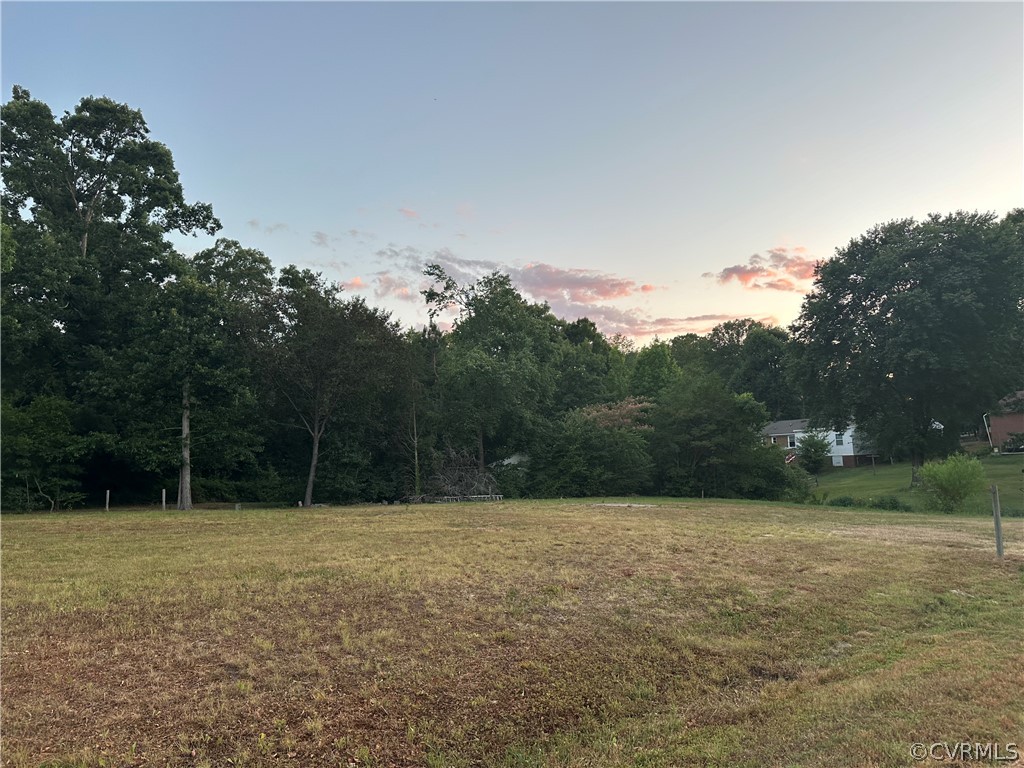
x: 658, y: 167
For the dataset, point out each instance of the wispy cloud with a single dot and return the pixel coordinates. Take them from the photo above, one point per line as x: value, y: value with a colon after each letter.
x: 782, y: 269
x: 581, y: 286
x: 396, y: 287
x: 321, y: 239
x: 355, y: 284
x: 361, y: 234
x: 268, y: 228
x: 409, y: 213
x: 571, y: 293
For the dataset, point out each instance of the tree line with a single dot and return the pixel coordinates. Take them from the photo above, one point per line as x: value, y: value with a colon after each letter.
x: 130, y: 366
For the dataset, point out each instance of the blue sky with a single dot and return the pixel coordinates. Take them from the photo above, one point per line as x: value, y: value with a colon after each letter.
x: 658, y: 167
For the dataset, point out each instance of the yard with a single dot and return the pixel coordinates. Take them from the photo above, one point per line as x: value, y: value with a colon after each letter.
x: 509, y: 634
x: 885, y: 479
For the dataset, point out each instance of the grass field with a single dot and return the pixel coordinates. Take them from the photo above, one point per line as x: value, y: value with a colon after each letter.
x: 1007, y: 472
x: 684, y: 633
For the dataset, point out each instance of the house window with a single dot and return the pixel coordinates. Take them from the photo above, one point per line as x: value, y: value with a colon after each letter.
x: 839, y: 438
x: 792, y: 441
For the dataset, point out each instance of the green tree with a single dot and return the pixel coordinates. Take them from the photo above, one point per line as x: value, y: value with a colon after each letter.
x: 913, y: 325
x: 707, y: 442
x: 41, y: 450
x: 762, y: 368
x: 89, y: 198
x: 812, y: 451
x: 333, y: 360
x: 655, y: 370
x: 497, y: 371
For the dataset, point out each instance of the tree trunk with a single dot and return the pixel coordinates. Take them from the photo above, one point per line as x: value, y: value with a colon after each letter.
x: 185, y: 472
x: 308, y: 499
x: 480, y: 447
x: 415, y: 452
x: 916, y: 462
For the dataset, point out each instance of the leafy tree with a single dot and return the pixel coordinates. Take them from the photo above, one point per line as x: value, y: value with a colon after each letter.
x: 725, y: 346
x: 588, y: 369
x: 41, y: 449
x: 912, y: 325
x: 762, y: 368
x: 707, y: 441
x: 497, y: 371
x: 951, y: 482
x: 813, y: 451
x: 89, y: 198
x: 333, y: 360
x: 691, y: 352
x: 593, y: 453
x: 655, y: 369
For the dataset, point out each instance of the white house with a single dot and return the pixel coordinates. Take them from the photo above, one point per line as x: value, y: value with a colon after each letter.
x: 845, y: 447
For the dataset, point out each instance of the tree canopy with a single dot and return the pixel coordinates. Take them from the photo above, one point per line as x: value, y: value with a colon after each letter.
x: 914, y: 329
x: 132, y: 366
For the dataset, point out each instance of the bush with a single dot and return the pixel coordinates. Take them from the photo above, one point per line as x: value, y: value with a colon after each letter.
x: 891, y: 503
x: 951, y: 482
x: 846, y: 501
x: 799, y: 485
x: 813, y: 451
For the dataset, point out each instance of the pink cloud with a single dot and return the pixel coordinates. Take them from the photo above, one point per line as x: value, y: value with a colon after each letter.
x: 387, y: 285
x: 354, y: 284
x: 582, y: 286
x: 409, y: 213
x: 783, y: 269
x: 571, y: 293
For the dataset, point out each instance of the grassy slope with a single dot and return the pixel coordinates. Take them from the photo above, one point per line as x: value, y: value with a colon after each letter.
x: 512, y: 634
x: 894, y: 480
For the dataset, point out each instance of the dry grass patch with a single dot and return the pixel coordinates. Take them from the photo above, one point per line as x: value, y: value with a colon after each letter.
x: 514, y: 634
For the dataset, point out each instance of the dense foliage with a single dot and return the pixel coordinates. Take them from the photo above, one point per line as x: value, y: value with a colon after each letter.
x: 132, y: 367
x: 952, y: 481
x: 914, y: 329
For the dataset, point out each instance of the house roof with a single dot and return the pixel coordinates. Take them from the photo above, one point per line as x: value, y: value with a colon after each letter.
x: 786, y: 427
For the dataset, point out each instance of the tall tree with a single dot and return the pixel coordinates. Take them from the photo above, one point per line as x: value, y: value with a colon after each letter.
x: 655, y: 369
x: 498, y: 371
x: 89, y: 199
x: 915, y: 325
x: 330, y: 355
x: 707, y: 441
x: 762, y: 368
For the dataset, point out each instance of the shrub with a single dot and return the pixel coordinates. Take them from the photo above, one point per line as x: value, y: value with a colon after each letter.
x: 892, y: 503
x: 846, y: 501
x: 812, y: 452
x: 951, y: 482
x: 1014, y: 443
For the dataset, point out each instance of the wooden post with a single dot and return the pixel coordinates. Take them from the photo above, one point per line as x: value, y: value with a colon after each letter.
x: 163, y: 499
x: 996, y: 514
x: 107, y: 505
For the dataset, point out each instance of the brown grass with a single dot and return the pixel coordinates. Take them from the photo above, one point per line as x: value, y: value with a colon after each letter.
x: 522, y: 634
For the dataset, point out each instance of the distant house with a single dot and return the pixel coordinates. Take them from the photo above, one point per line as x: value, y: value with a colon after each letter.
x: 846, y: 448
x: 1006, y: 422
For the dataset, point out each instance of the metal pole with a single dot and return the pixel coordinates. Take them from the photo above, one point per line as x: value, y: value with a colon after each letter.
x: 163, y: 499
x: 998, y: 520
x: 107, y: 505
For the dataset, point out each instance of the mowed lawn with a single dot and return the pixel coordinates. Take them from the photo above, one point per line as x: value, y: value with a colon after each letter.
x: 509, y: 634
x: 1005, y: 471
